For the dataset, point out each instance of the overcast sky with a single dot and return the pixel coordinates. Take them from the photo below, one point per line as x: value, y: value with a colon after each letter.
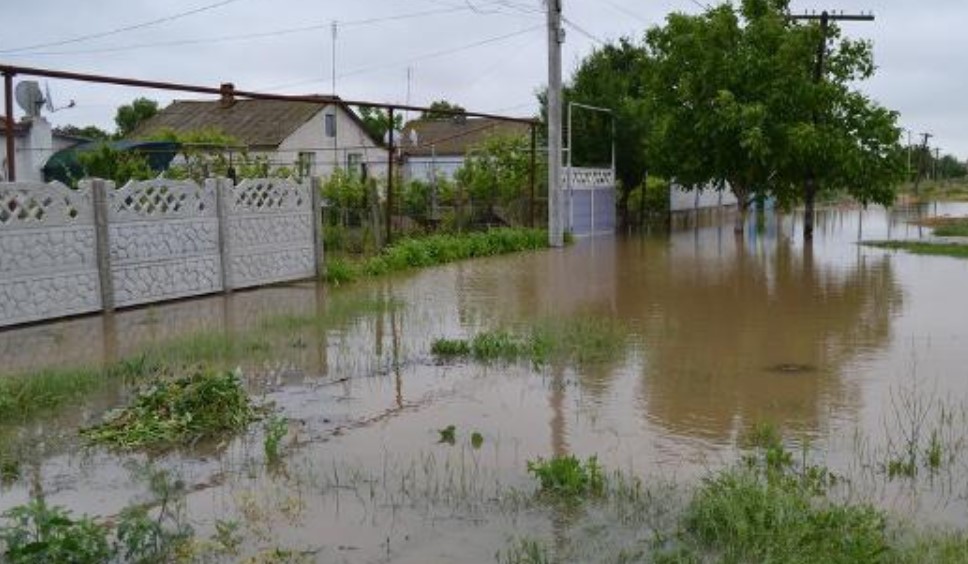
x: 487, y: 55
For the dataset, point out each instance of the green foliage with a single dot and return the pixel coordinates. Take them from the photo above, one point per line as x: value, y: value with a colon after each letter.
x: 567, y: 477
x: 178, y: 411
x: 656, y: 202
x: 111, y: 164
x: 525, y: 551
x: 448, y: 435
x: 583, y: 341
x: 345, y: 189
x: 952, y: 228
x: 340, y: 271
x: 477, y: 440
x: 275, y: 430
x: 956, y: 250
x: 442, y: 249
x: 91, y: 132
x: 450, y: 347
x: 37, y: 533
x: 434, y: 114
x: 377, y: 122
x: 497, y: 173
x: 130, y: 116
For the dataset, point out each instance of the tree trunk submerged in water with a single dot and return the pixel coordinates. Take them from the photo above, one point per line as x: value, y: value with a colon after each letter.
x: 809, y: 200
x: 742, y: 206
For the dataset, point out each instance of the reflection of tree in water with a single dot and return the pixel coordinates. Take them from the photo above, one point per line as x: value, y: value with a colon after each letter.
x: 753, y: 335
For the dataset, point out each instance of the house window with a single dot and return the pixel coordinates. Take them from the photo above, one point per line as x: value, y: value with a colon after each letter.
x: 354, y: 163
x: 305, y: 164
x: 330, y: 125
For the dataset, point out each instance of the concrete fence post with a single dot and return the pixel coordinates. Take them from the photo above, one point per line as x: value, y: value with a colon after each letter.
x: 223, y: 194
x: 315, y: 189
x: 102, y: 241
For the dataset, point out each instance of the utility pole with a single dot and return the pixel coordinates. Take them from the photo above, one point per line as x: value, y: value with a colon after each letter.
x: 556, y: 37
x: 921, y: 153
x: 810, y: 185
x: 333, y: 65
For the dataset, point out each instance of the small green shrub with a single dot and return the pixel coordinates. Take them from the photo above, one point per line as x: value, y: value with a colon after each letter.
x: 340, y: 271
x: 37, y: 533
x: 568, y: 477
x: 450, y: 347
x: 275, y: 430
x: 178, y: 411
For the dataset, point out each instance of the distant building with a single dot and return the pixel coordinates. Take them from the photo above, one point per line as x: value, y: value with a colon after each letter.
x: 683, y: 199
x: 309, y: 138
x: 440, y: 146
x: 35, y: 141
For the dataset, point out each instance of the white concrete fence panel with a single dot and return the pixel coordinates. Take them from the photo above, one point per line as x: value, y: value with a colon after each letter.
x: 48, y: 265
x: 66, y: 252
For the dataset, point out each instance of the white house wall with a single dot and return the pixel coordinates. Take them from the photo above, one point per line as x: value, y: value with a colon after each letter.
x: 332, y: 152
x: 683, y: 199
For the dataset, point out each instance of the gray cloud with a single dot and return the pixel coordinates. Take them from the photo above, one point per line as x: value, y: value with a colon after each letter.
x: 917, y: 50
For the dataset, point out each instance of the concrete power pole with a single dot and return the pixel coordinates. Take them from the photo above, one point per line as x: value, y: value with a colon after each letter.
x: 810, y: 185
x: 555, y: 197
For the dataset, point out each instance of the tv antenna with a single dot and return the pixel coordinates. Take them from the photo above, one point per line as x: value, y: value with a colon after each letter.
x: 49, y: 101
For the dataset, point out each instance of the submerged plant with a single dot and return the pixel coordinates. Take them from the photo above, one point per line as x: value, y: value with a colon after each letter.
x: 38, y: 533
x: 448, y: 434
x: 179, y: 411
x: 568, y: 477
x: 275, y: 430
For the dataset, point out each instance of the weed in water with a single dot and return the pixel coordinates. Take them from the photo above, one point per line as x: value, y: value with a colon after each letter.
x: 923, y: 248
x: 568, y: 477
x: 477, y: 440
x: 525, y: 551
x: 37, y: 533
x: 275, y: 430
x: 448, y: 435
x: 179, y: 411
x: 340, y: 271
x: 935, y: 452
x: 450, y: 347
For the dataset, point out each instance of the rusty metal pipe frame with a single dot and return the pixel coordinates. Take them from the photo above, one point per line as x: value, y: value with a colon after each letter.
x: 9, y: 70
x: 8, y: 107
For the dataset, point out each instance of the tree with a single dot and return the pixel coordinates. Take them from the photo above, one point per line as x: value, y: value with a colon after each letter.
x: 92, y: 132
x: 615, y: 77
x: 434, y: 113
x: 735, y: 105
x: 497, y: 173
x: 130, y: 116
x: 726, y: 99
x: 377, y: 122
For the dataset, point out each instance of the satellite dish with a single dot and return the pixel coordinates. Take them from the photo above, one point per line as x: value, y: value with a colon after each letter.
x: 29, y: 97
x: 49, y: 101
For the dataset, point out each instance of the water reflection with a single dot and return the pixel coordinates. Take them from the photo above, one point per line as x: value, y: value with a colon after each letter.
x: 732, y: 329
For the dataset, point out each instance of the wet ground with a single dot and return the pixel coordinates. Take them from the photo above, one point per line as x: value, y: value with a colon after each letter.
x: 846, y: 348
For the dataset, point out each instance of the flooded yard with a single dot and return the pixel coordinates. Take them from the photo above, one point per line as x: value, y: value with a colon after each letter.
x: 676, y: 345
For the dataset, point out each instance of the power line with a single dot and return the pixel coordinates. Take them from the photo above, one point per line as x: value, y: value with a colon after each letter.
x: 425, y: 56
x: 124, y: 29
x: 582, y: 31
x: 250, y: 36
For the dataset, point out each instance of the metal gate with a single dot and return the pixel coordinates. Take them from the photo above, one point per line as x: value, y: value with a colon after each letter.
x: 591, y: 201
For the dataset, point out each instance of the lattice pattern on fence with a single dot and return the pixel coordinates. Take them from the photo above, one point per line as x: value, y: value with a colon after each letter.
x: 48, y: 265
x: 585, y: 178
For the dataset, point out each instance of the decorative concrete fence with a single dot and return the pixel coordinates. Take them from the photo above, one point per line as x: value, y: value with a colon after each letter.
x: 65, y: 252
x: 591, y: 201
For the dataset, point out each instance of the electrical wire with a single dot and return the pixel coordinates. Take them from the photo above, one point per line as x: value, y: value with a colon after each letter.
x: 119, y: 30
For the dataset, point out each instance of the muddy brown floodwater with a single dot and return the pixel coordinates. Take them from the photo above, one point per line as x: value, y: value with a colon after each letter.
x: 833, y: 343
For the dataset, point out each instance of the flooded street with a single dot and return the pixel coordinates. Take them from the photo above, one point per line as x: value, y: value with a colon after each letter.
x: 847, y: 349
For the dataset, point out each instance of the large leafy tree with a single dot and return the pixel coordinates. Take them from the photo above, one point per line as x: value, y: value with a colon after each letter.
x: 130, y: 116
x: 614, y: 77
x: 435, y: 113
x: 735, y: 104
x: 377, y: 122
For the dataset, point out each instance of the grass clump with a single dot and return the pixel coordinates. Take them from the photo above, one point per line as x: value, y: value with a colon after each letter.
x: 951, y: 227
x: 567, y: 477
x: 178, y: 411
x: 435, y: 250
x: 922, y: 248
x: 581, y: 341
x: 37, y: 533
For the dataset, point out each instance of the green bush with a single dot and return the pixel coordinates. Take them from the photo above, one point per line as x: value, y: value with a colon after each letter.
x: 178, y: 411
x: 36, y: 533
x: 568, y: 477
